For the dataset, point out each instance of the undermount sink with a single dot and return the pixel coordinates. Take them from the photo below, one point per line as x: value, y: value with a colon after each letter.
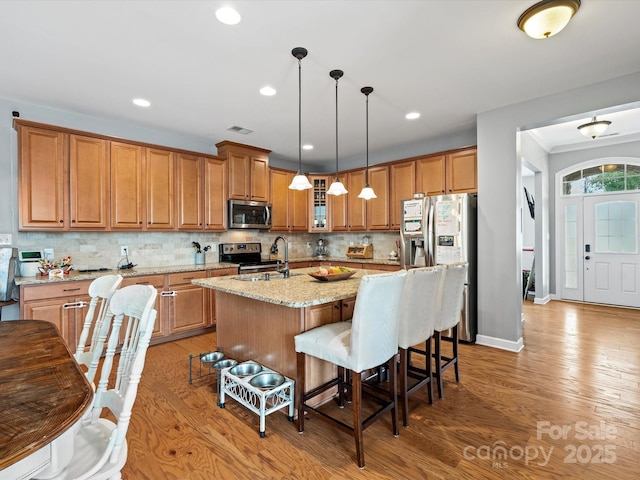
x: 262, y: 277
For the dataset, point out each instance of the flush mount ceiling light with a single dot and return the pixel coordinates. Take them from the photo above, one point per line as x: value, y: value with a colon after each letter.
x: 412, y: 116
x: 367, y: 192
x: 300, y: 181
x: 336, y: 188
x: 307, y: 147
x: 141, y: 102
x: 594, y: 128
x: 228, y: 16
x: 546, y: 18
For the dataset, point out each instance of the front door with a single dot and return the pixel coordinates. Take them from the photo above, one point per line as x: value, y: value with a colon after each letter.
x: 611, y: 263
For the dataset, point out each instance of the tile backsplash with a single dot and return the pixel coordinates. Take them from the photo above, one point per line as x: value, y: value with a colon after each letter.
x: 149, y: 249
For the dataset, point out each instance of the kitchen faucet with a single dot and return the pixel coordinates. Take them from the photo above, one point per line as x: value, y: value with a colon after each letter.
x: 274, y: 249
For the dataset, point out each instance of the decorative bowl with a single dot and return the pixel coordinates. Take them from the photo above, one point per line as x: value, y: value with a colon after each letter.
x: 209, y: 359
x: 246, y: 369
x: 331, y: 277
x: 229, y: 362
x: 267, y: 381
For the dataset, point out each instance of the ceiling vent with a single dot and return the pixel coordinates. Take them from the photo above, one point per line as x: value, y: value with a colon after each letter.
x: 243, y: 131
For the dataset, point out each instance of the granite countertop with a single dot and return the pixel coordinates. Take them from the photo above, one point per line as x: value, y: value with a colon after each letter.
x: 160, y: 270
x: 134, y: 272
x: 298, y: 291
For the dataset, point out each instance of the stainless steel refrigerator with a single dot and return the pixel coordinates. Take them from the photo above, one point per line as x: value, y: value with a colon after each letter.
x: 440, y: 230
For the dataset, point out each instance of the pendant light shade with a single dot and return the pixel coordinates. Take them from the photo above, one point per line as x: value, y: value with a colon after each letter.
x: 594, y: 128
x: 546, y: 18
x: 300, y: 181
x: 336, y: 188
x: 367, y: 192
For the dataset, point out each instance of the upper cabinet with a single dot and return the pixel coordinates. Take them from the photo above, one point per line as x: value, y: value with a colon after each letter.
x: 70, y: 180
x: 127, y: 183
x: 63, y: 180
x: 402, y: 183
x: 42, y: 157
x: 454, y: 172
x: 319, y: 204
x: 215, y: 193
x: 248, y: 170
x: 201, y: 190
x: 288, y: 207
x: 378, y: 208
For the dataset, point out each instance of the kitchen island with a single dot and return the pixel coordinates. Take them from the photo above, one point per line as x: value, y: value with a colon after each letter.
x: 257, y: 320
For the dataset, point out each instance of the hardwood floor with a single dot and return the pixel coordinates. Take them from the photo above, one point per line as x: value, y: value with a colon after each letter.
x: 567, y: 406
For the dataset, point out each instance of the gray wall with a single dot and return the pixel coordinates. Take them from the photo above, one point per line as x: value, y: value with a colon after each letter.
x: 500, y: 197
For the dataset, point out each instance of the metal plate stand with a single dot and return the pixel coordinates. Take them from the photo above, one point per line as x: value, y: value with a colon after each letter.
x: 260, y: 401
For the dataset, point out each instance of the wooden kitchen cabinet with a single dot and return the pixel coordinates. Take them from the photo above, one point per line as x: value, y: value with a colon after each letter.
x: 41, y: 174
x: 160, y: 328
x: 89, y: 182
x: 220, y: 272
x: 159, y: 172
x: 201, y: 192
x: 248, y: 170
x: 454, y: 172
x: 339, y: 213
x: 189, y: 186
x: 319, y: 215
x: 377, y: 209
x: 356, y: 207
x: 65, y: 305
x: 402, y: 184
x: 187, y: 305
x: 215, y: 193
x: 288, y: 207
x: 127, y: 183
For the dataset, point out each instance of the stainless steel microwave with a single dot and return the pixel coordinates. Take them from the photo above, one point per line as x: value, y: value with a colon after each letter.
x: 247, y: 214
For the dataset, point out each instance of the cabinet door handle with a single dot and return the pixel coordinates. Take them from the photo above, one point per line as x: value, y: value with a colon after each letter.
x: 171, y: 293
x: 188, y: 278
x: 71, y: 289
x: 142, y: 283
x: 68, y: 306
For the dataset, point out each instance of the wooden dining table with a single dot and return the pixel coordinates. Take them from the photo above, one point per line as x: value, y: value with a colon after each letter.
x: 43, y: 394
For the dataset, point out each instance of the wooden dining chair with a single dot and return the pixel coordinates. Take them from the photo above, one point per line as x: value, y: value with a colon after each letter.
x: 453, y: 287
x: 97, y: 322
x: 419, y: 309
x: 369, y: 340
x: 100, y: 447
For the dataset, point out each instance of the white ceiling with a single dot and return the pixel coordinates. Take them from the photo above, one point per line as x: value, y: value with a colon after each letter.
x: 448, y: 60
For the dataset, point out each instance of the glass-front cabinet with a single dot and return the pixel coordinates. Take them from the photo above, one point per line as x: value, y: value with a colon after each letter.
x: 318, y: 204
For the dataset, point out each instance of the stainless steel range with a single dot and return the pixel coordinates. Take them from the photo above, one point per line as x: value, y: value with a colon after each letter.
x: 248, y: 256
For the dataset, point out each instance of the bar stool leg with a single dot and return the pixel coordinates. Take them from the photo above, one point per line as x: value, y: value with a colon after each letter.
x: 428, y: 369
x: 455, y: 352
x: 299, y: 389
x: 393, y: 389
x: 438, y: 372
x: 356, y: 393
x: 404, y: 397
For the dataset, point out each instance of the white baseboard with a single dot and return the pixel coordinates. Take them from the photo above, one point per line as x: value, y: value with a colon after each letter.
x: 500, y: 343
x: 543, y: 300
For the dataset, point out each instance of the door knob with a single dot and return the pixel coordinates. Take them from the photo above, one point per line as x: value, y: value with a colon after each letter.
x: 587, y: 257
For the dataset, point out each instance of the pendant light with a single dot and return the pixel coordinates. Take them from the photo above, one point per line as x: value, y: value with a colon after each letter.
x: 336, y: 188
x: 300, y: 181
x: 546, y: 18
x: 367, y: 192
x: 594, y: 128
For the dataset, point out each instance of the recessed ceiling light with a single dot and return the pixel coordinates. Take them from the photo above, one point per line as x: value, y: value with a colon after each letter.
x: 307, y: 147
x: 412, y: 116
x: 141, y: 102
x: 228, y: 16
x: 268, y: 91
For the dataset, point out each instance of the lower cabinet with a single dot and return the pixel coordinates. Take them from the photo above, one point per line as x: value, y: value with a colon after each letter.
x: 64, y: 305
x: 183, y: 309
x: 221, y: 272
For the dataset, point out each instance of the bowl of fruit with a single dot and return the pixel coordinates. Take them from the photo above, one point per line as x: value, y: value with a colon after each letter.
x: 332, y: 274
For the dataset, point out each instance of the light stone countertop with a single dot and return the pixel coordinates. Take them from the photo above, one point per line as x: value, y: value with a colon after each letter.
x: 298, y: 291
x: 134, y: 272
x: 165, y: 269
